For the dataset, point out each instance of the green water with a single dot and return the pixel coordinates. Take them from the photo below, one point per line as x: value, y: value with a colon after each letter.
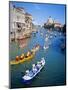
x: 53, y: 72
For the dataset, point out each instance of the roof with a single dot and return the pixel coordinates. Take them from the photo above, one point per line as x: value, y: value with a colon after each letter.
x: 28, y: 14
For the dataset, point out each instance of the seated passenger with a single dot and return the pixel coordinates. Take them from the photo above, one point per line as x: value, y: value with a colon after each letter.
x: 38, y: 65
x: 34, y: 70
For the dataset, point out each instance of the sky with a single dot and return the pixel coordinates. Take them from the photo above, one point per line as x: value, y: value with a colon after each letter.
x: 40, y: 12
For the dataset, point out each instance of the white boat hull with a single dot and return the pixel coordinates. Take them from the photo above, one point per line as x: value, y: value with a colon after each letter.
x: 26, y: 78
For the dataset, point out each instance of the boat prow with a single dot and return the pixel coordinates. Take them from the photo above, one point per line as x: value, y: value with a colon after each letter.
x: 36, y: 48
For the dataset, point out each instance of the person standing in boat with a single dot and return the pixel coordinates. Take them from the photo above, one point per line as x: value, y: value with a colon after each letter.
x: 34, y: 69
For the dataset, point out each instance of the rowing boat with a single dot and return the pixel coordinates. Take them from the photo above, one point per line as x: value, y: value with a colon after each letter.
x: 23, y: 60
x: 26, y: 58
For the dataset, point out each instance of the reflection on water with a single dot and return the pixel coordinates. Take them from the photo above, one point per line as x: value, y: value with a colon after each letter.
x: 54, y: 71
x: 23, y: 43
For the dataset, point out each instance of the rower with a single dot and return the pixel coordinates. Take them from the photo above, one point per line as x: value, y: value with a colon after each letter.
x: 22, y: 57
x: 27, y: 72
x: 17, y: 58
x: 28, y: 53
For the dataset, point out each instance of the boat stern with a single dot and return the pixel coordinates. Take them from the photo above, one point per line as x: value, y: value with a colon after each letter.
x: 26, y: 80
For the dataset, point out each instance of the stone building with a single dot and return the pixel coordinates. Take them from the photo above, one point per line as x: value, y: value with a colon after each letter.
x: 28, y: 21
x: 50, y: 21
x: 20, y: 23
x: 57, y: 25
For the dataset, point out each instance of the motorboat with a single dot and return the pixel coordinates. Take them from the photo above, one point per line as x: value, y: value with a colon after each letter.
x: 46, y: 47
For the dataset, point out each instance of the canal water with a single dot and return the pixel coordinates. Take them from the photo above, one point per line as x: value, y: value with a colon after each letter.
x: 53, y: 72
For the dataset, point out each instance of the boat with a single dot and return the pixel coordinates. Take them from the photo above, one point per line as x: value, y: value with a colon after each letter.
x: 51, y: 36
x: 41, y: 34
x: 23, y: 58
x: 36, y: 48
x: 46, y: 39
x: 46, y: 47
x: 13, y: 62
x: 30, y: 74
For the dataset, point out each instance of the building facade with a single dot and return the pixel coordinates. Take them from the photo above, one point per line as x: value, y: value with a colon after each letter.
x: 57, y: 25
x: 20, y: 23
x: 51, y: 23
